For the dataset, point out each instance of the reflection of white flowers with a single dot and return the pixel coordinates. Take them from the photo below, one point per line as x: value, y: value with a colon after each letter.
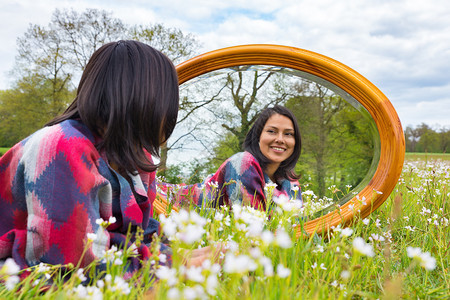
x: 424, y: 258
x: 360, y: 246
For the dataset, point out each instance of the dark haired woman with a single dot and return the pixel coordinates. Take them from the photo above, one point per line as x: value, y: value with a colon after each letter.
x: 92, y: 162
x: 272, y: 148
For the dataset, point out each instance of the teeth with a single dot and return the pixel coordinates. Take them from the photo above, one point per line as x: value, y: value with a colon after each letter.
x: 278, y: 149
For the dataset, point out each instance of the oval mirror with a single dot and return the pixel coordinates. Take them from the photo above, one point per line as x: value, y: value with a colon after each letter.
x: 352, y: 140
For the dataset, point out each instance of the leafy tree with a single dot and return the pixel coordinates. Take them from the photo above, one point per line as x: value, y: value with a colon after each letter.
x: 336, y: 149
x: 58, y: 53
x: 28, y: 106
x: 227, y: 103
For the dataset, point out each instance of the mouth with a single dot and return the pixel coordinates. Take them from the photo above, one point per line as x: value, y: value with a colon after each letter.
x: 278, y: 149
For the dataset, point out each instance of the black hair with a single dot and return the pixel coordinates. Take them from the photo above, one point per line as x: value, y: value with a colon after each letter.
x: 251, y: 143
x: 128, y: 96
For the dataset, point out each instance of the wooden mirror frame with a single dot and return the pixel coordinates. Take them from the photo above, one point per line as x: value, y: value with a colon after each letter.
x: 392, y: 142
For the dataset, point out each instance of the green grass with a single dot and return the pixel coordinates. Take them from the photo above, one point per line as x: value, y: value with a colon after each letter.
x: 413, y: 156
x: 416, y: 215
x: 3, y: 150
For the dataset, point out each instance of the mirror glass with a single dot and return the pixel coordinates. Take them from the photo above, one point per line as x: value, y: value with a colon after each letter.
x: 340, y: 141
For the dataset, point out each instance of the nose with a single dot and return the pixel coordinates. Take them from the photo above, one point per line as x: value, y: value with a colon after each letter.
x: 279, y: 139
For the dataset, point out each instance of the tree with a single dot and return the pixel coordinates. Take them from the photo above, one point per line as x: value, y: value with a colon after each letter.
x: 336, y: 141
x: 28, y: 107
x: 58, y: 53
x: 83, y: 33
x: 227, y: 102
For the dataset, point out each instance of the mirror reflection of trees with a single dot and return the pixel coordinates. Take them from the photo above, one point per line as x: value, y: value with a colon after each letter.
x: 337, y: 138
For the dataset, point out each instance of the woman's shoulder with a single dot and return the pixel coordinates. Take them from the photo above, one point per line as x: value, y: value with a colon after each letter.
x: 242, y: 162
x: 243, y: 157
x: 72, y: 130
x: 69, y: 137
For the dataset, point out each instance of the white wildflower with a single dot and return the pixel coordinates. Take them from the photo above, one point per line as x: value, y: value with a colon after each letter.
x: 238, y: 264
x: 211, y: 285
x: 360, y: 246
x: 11, y: 282
x: 195, y: 274
x: 378, y: 223
x: 283, y: 239
x: 80, y: 274
x: 319, y: 248
x: 424, y: 258
x: 167, y: 274
x: 345, y: 274
x: 43, y: 268
x: 346, y: 232
x: 282, y: 271
x: 9, y: 267
x: 91, y: 237
x: 267, y: 265
x: 376, y: 237
x: 267, y: 237
x: 173, y: 293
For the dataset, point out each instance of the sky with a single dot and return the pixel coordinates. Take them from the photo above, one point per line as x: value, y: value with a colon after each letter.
x: 401, y: 46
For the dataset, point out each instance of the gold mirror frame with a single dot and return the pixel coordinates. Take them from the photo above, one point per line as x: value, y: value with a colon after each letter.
x: 392, y: 142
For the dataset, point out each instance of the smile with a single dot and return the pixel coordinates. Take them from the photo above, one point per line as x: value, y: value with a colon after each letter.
x: 277, y: 149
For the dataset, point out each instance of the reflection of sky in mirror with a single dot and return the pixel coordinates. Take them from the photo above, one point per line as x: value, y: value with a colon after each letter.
x: 206, y: 86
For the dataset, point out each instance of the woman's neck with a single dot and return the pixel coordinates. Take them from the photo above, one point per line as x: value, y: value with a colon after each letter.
x: 270, y: 171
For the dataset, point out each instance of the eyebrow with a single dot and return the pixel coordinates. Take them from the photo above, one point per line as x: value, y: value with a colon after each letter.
x: 271, y: 126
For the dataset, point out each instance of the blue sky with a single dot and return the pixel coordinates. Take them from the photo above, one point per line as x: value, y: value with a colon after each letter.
x: 402, y: 46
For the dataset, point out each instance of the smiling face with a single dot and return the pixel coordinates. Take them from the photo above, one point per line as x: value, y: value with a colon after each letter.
x: 277, y: 141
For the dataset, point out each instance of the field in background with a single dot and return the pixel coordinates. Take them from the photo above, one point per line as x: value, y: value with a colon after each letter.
x: 413, y: 156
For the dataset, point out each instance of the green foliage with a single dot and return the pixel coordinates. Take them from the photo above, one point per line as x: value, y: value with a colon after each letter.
x: 51, y: 58
x: 225, y: 148
x: 423, y: 138
x: 188, y: 173
x: 28, y: 106
x: 337, y: 141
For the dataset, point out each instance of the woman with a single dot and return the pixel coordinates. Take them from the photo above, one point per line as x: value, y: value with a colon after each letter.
x: 94, y: 161
x: 272, y: 148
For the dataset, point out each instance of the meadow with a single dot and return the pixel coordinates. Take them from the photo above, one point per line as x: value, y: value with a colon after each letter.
x: 401, y: 251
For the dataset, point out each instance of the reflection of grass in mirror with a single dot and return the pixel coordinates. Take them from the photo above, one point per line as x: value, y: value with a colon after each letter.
x: 400, y: 251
